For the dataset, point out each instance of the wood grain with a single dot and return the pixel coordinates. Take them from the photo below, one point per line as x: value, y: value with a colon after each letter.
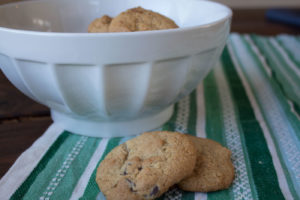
x: 14, y: 104
x: 9, y: 1
x: 254, y: 21
x: 17, y: 136
x: 256, y: 4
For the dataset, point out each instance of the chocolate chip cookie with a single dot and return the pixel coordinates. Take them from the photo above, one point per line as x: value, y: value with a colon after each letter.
x: 139, y: 19
x: 146, y: 166
x: 135, y: 19
x: 214, y: 169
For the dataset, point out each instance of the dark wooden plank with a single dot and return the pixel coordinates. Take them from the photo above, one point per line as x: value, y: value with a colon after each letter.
x: 13, y: 103
x: 245, y: 20
x: 16, y: 136
x: 9, y: 1
x: 260, y: 28
x: 254, y: 21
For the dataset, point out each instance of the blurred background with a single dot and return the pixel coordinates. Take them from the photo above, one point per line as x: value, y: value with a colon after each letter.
x: 237, y: 3
x: 252, y: 16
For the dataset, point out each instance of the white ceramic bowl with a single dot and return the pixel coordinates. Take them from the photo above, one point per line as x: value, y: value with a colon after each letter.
x: 109, y: 84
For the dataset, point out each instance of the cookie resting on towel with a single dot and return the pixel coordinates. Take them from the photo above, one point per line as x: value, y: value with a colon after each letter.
x: 146, y: 166
x: 214, y: 169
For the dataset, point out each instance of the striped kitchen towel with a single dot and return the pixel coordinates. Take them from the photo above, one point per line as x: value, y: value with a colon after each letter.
x: 249, y: 103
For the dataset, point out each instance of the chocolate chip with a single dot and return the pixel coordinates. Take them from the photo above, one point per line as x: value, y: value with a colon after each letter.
x: 124, y: 173
x: 154, y: 191
x: 131, y: 185
x: 129, y: 181
x: 140, y: 168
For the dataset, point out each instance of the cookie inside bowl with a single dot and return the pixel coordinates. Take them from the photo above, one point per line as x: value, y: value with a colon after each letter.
x: 74, y: 16
x: 132, y: 20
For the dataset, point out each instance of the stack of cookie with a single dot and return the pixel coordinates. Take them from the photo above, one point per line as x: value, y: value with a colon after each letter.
x: 147, y: 166
x: 132, y: 20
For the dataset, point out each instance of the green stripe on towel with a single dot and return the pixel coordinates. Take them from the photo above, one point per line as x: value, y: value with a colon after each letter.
x: 257, y: 76
x: 264, y: 174
x: 214, y: 125
x: 191, y: 129
x: 286, y: 77
x: 54, y: 171
x: 22, y: 190
x: 92, y: 189
x: 214, y: 120
x: 170, y: 125
x: 75, y: 170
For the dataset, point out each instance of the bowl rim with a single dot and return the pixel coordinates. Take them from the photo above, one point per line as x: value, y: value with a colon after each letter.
x: 115, y: 34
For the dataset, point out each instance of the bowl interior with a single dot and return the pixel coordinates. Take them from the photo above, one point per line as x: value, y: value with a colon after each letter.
x: 75, y: 15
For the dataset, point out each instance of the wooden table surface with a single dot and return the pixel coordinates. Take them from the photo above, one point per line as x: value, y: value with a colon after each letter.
x: 22, y: 120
